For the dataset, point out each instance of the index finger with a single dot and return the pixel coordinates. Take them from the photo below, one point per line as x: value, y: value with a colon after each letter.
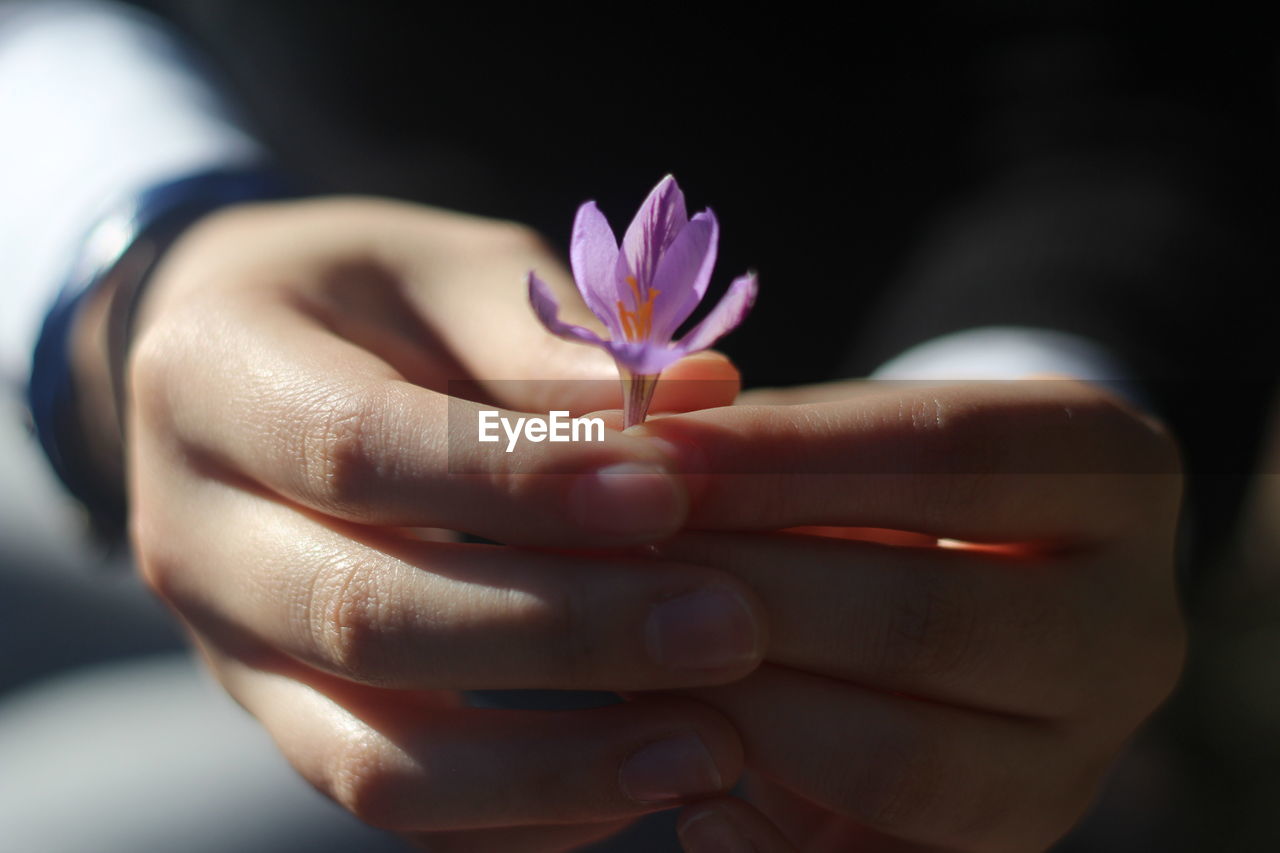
x: 286, y: 404
x: 982, y: 461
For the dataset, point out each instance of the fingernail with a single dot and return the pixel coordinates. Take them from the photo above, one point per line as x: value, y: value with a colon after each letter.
x: 630, y: 499
x: 709, y: 832
x: 707, y: 629
x: 670, y: 770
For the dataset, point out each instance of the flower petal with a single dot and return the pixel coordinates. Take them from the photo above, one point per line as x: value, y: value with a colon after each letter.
x: 548, y: 311
x: 724, y: 317
x: 593, y: 254
x: 683, y: 274
x: 644, y: 358
x: 661, y: 217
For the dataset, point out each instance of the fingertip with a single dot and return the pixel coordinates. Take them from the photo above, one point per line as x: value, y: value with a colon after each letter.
x: 705, y: 380
x: 716, y: 630
x: 637, y: 501
x: 708, y: 364
x: 669, y: 770
x: 728, y: 825
x: 694, y: 753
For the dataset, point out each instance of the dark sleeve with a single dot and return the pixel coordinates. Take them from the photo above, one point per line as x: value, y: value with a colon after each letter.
x: 1123, y: 191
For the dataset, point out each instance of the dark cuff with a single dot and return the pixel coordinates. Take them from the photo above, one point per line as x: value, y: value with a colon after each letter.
x: 123, y: 249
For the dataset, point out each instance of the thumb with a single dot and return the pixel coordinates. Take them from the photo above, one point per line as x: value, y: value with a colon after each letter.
x: 586, y: 380
x: 704, y: 380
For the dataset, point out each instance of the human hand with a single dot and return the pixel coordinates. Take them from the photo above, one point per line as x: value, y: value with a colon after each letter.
x: 287, y: 420
x: 924, y: 694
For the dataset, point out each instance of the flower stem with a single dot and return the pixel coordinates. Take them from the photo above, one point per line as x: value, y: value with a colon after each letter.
x: 637, y: 393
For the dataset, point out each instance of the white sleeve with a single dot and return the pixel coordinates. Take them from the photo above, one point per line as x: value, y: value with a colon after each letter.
x: 1011, y: 352
x: 97, y: 101
x: 1002, y: 352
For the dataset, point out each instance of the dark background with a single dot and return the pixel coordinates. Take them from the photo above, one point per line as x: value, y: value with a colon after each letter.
x: 894, y: 173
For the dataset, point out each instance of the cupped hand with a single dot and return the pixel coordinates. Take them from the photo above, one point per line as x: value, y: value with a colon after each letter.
x: 971, y: 596
x: 290, y: 437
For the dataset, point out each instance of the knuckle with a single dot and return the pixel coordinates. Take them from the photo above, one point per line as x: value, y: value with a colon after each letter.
x: 955, y: 435
x: 517, y: 480
x: 361, y: 780
x: 343, y: 611
x: 338, y: 448
x: 931, y: 633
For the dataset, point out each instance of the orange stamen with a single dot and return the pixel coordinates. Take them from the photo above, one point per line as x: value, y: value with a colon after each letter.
x: 637, y: 324
x: 625, y: 316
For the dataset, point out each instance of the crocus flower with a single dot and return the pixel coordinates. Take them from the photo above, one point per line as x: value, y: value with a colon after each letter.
x: 643, y: 290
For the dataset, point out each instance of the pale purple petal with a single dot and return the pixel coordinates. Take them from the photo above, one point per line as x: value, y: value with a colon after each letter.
x: 657, y: 223
x: 724, y: 317
x: 644, y: 358
x: 683, y: 274
x: 593, y: 254
x: 548, y: 311
x: 654, y: 356
x: 671, y: 258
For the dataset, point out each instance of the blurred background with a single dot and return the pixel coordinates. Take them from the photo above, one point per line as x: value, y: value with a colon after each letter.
x: 911, y: 164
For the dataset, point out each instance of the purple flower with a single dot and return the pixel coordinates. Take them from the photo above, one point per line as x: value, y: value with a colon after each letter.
x: 644, y: 290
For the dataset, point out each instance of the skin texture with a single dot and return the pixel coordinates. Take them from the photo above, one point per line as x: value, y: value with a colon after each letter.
x: 293, y: 500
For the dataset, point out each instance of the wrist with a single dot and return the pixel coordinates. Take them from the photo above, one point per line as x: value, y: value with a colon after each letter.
x: 77, y: 389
